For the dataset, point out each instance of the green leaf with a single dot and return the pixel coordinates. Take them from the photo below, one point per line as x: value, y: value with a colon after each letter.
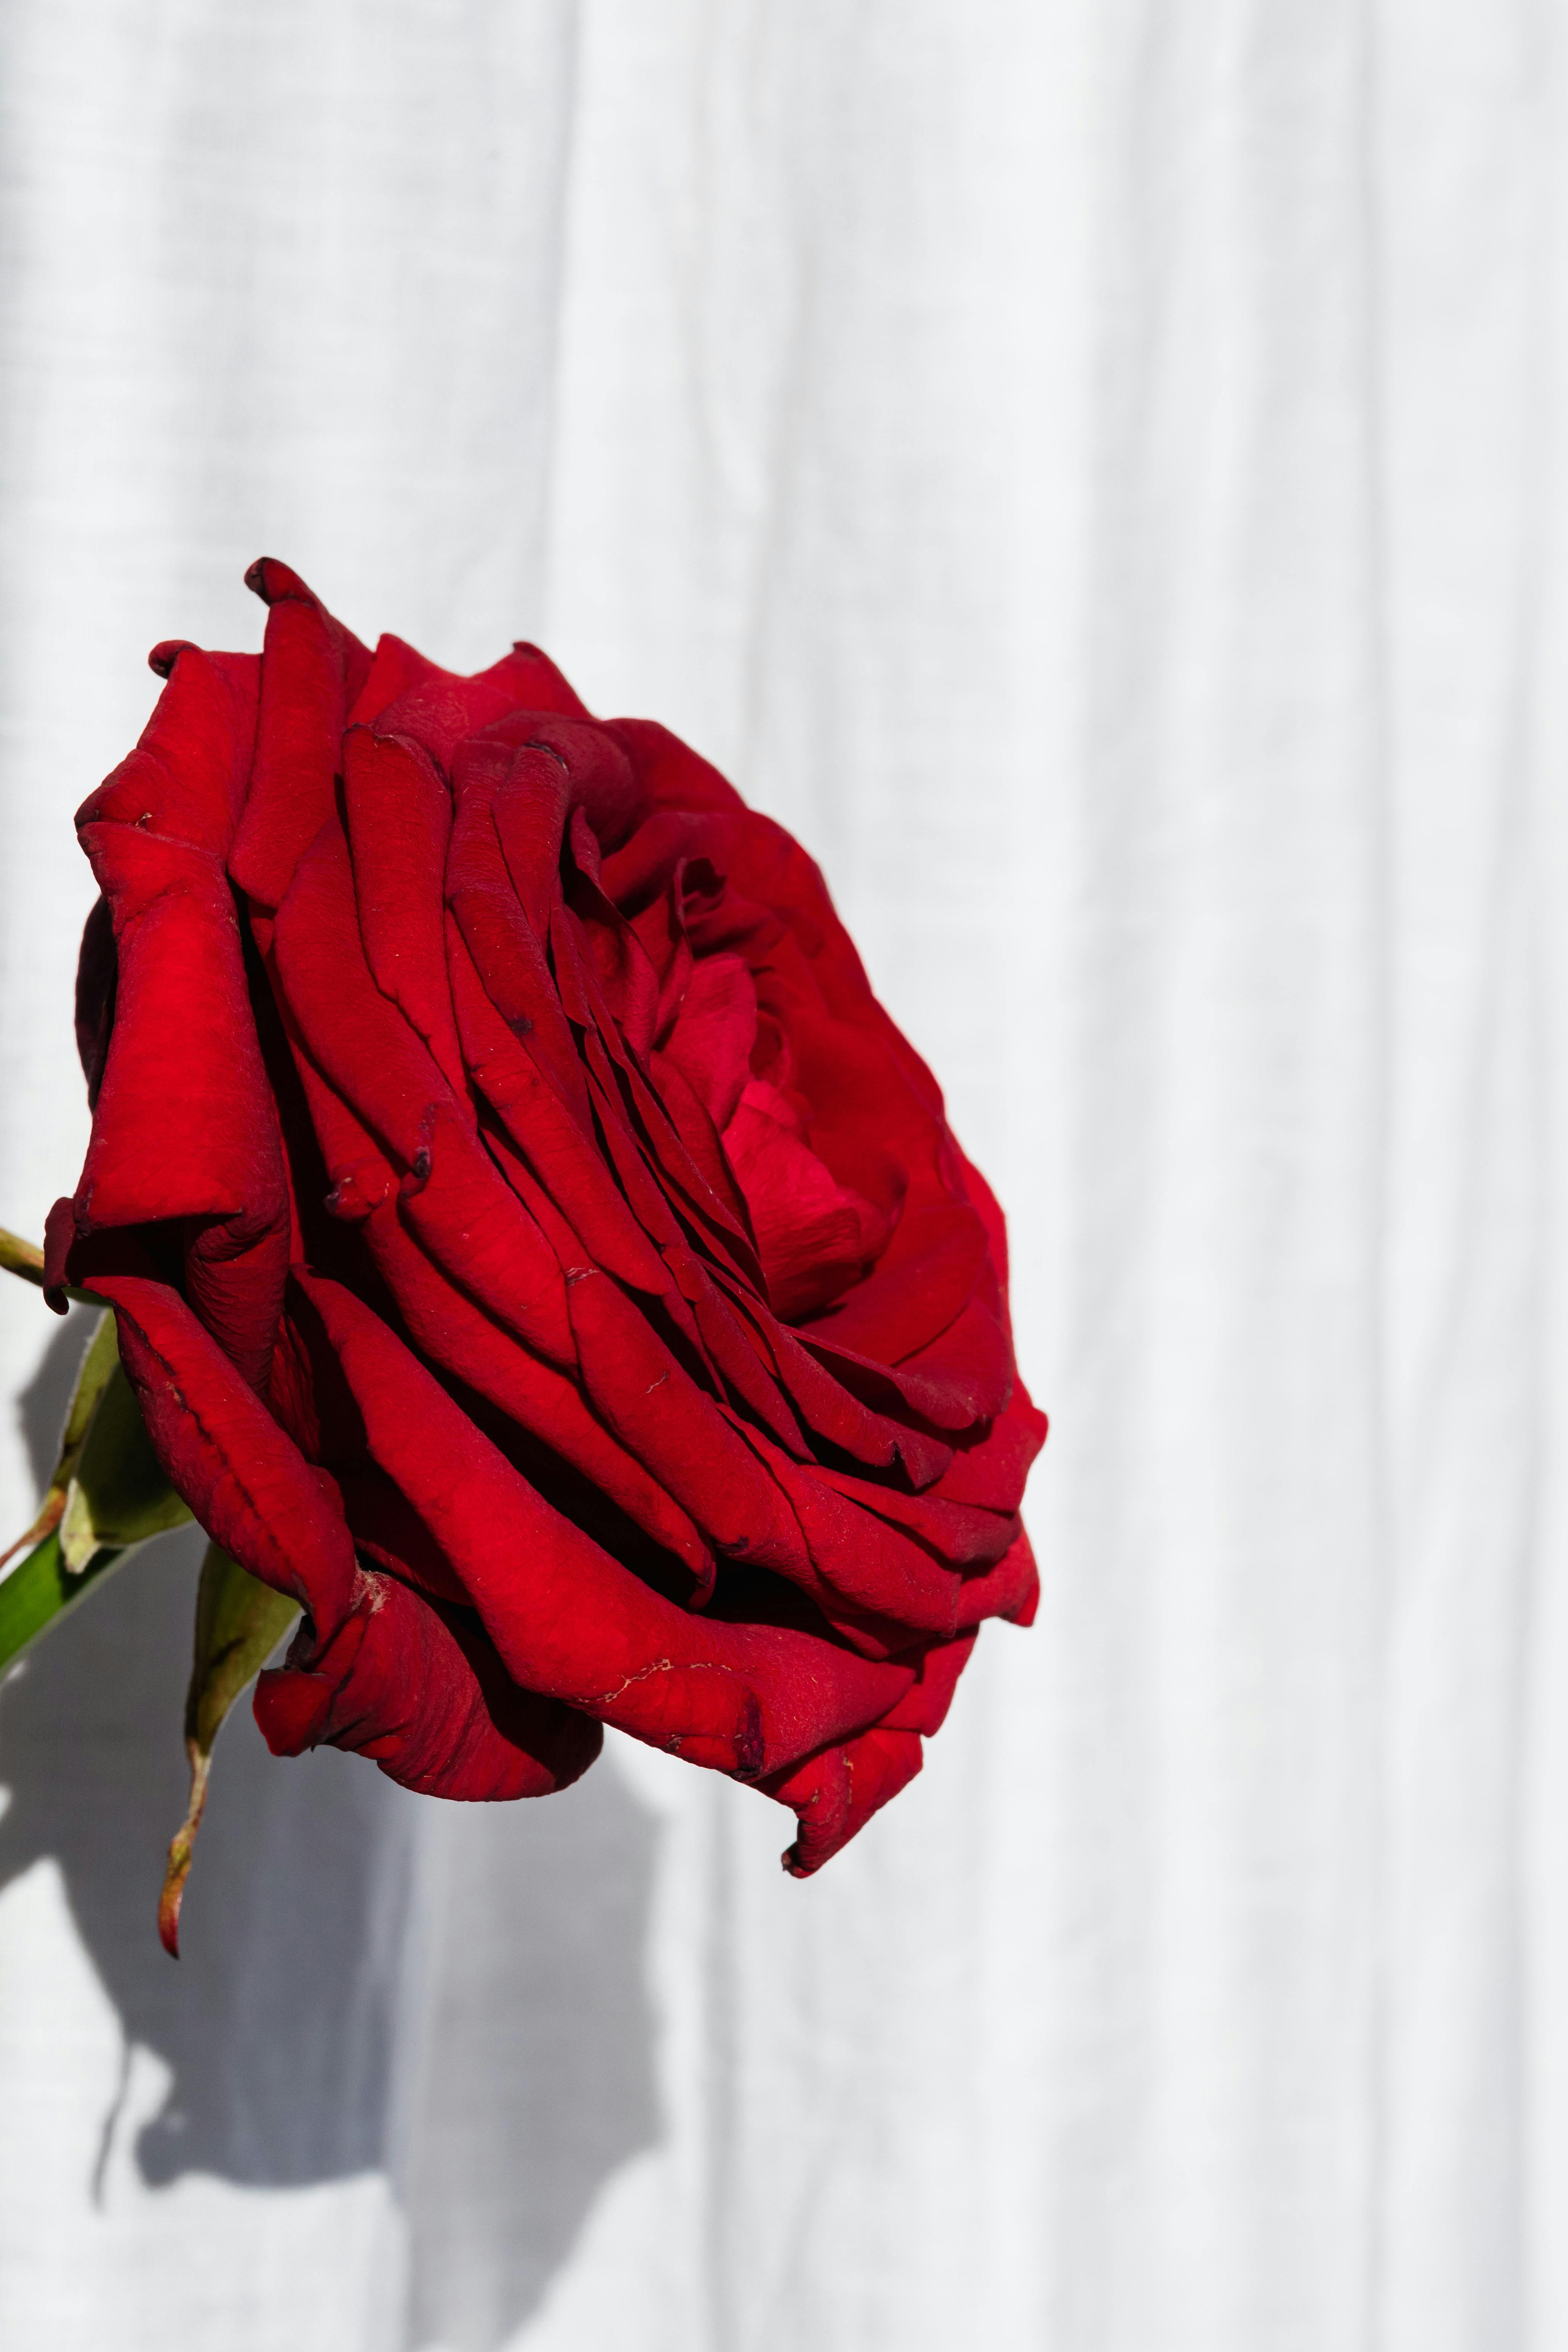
x: 108, y: 1495
x: 97, y: 1371
x: 99, y: 1363
x: 240, y: 1623
x: 43, y: 1588
x: 118, y: 1493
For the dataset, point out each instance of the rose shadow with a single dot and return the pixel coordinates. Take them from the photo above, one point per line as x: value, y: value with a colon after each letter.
x: 287, y: 2026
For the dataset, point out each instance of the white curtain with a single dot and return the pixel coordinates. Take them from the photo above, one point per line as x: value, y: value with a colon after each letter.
x: 1096, y: 469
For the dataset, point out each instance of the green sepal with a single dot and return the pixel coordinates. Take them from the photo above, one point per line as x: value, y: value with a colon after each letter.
x: 98, y: 1365
x: 108, y: 1495
x: 118, y: 1493
x: 97, y: 1371
x: 240, y: 1623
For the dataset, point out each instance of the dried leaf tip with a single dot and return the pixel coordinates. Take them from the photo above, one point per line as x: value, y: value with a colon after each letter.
x: 240, y: 1623
x: 182, y: 1845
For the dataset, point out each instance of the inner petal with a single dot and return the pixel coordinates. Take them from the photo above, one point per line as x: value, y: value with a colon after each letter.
x: 815, y: 1237
x: 710, y: 1042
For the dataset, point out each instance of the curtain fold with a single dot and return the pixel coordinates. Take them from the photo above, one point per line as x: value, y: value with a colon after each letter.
x: 1094, y: 473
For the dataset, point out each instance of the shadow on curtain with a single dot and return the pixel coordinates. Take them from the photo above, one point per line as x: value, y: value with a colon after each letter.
x: 286, y: 2026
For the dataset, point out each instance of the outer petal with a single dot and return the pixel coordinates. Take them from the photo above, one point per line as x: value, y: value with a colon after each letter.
x: 671, y: 774
x: 1010, y: 1589
x: 399, y: 816
x: 835, y: 1793
x: 245, y: 1480
x: 410, y: 1684
x: 312, y: 671
x: 184, y: 1127
x: 97, y: 981
x: 405, y: 694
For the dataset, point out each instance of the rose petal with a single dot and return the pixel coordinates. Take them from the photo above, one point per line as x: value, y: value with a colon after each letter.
x: 399, y: 819
x: 407, y: 1682
x: 405, y: 694
x: 311, y: 669
x: 714, y: 1030
x: 184, y: 1126
x: 835, y: 1793
x: 816, y: 1238
x: 246, y: 1482
x: 567, y: 1618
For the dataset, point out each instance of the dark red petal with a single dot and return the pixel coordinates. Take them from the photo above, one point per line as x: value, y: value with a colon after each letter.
x: 731, y: 1348
x: 713, y: 1034
x: 508, y: 953
x: 245, y: 1480
x: 97, y: 980
x: 399, y: 817
x: 561, y: 1156
x: 670, y: 774
x: 1010, y: 1589
x: 311, y: 669
x: 857, y: 1562
x: 628, y: 981
x: 835, y: 1793
x: 456, y: 1332
x: 188, y: 776
x: 184, y: 1124
x: 815, y: 1237
x: 992, y: 1471
x: 406, y: 695
x: 826, y: 1405
x: 408, y: 1682
x: 968, y: 1368
x: 569, y: 1619
x: 917, y: 1290
x: 387, y: 1529
x: 394, y: 668
x: 601, y: 779
x: 473, y: 1224
x: 964, y: 1534
x: 358, y: 1039
x: 924, y: 1708
x: 659, y: 1413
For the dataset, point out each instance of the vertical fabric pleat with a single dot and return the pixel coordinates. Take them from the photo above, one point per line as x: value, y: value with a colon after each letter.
x: 1097, y: 474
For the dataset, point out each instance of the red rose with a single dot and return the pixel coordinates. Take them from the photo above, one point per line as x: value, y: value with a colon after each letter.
x: 533, y: 1248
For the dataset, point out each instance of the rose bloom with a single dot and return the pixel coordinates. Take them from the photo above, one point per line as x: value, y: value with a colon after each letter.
x: 532, y: 1246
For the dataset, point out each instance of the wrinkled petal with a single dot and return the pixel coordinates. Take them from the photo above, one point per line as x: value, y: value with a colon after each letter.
x: 311, y: 669
x: 245, y: 1480
x: 407, y: 1682
x: 835, y: 1793
x: 185, y: 1128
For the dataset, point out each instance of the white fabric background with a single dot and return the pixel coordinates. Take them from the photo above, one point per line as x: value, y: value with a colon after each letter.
x: 1096, y: 471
